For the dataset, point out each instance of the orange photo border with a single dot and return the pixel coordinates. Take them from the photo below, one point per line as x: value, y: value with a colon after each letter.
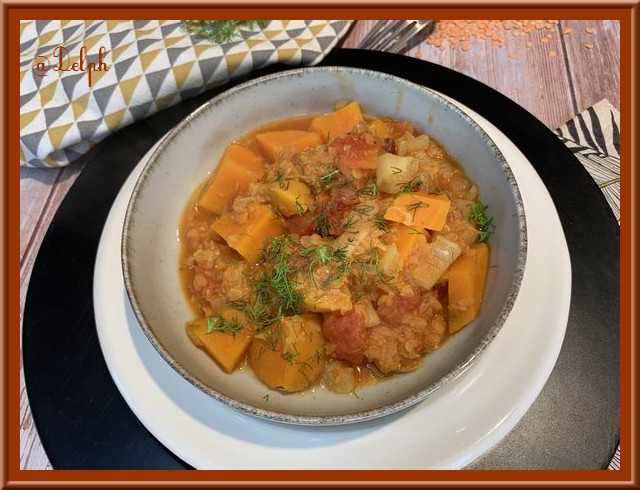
x: 12, y: 477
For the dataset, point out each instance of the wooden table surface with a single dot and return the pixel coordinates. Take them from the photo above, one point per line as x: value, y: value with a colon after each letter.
x: 554, y: 70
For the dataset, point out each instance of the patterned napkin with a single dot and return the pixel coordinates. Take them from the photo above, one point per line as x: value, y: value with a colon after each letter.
x: 81, y: 80
x: 594, y: 138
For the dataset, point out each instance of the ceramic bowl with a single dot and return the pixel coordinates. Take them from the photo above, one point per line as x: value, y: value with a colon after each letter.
x: 150, y: 247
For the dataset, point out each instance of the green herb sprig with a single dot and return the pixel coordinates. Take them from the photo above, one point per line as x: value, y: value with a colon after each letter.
x: 328, y: 176
x: 219, y: 324
x: 221, y: 31
x: 482, y: 222
x: 415, y: 206
x: 408, y: 187
x: 326, y: 255
x: 322, y: 224
x: 371, y: 268
x: 371, y: 189
x: 277, y: 286
x: 382, y: 224
x: 274, y: 293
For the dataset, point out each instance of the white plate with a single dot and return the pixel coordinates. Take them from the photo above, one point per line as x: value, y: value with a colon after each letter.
x: 452, y: 428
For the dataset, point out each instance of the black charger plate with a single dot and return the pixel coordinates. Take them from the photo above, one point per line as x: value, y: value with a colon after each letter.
x: 83, y: 421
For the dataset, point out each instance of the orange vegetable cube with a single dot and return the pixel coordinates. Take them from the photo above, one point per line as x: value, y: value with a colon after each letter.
x: 337, y: 122
x: 380, y: 129
x: 467, y: 277
x: 290, y: 355
x: 225, y: 345
x: 420, y: 210
x: 195, y: 329
x: 237, y: 169
x: 405, y: 238
x: 249, y: 236
x: 274, y: 142
x: 290, y: 197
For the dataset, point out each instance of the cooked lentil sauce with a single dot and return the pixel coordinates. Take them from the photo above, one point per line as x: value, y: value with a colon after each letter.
x: 332, y: 250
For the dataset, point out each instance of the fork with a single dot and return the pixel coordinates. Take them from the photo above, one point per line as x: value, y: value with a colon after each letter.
x: 393, y: 36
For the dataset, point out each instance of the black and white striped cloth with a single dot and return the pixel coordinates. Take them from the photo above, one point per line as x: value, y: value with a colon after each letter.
x: 594, y: 138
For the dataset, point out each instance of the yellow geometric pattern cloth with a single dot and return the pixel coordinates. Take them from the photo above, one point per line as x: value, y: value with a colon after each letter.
x: 81, y: 80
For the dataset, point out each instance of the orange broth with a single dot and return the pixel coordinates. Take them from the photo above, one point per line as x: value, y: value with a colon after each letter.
x: 341, y: 281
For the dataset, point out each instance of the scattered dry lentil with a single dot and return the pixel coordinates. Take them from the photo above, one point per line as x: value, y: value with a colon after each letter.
x: 454, y: 34
x: 457, y: 33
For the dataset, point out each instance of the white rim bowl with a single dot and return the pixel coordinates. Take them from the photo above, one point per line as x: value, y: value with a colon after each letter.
x: 150, y: 249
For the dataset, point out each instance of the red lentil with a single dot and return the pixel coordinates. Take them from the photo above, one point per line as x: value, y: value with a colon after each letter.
x: 457, y: 33
x: 453, y: 34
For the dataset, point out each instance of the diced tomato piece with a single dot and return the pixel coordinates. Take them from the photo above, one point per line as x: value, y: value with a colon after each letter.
x: 347, y: 333
x: 335, y: 205
x: 326, y: 218
x: 358, y: 151
x: 300, y: 225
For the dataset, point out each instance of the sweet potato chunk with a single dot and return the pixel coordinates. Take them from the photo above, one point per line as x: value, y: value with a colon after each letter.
x: 290, y: 355
x: 380, y: 128
x: 195, y: 329
x: 225, y: 338
x: 274, y: 142
x: 290, y: 198
x: 467, y: 278
x: 405, y: 238
x: 249, y: 236
x: 237, y: 169
x: 337, y: 122
x: 420, y: 210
